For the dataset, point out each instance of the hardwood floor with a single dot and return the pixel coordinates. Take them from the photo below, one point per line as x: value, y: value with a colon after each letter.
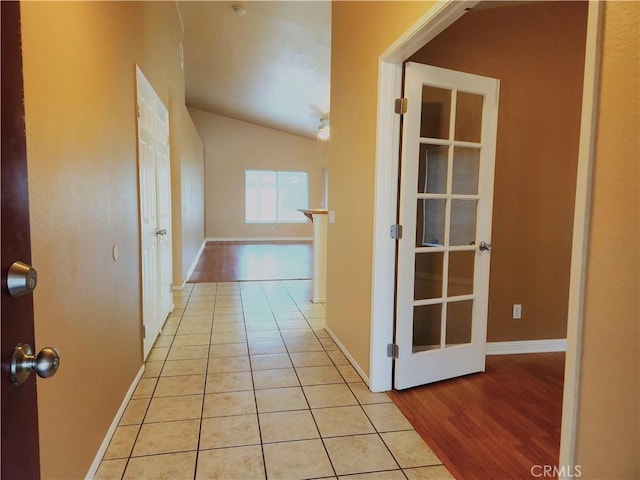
x: 243, y: 261
x: 493, y: 425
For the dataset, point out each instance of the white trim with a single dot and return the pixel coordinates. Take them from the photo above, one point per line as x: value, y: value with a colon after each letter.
x: 385, y: 215
x: 579, y: 249
x: 114, y: 424
x: 527, y: 346
x: 346, y: 353
x: 190, y: 270
x: 259, y: 239
x: 437, y: 19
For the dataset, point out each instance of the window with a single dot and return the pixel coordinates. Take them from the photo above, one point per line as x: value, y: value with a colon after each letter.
x: 275, y: 197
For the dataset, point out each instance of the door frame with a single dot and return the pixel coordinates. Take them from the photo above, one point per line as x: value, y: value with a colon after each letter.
x: 433, y: 22
x: 144, y: 89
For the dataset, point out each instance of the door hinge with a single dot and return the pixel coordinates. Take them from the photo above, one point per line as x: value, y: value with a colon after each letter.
x: 393, y: 351
x: 144, y: 331
x: 401, y: 106
x: 138, y: 109
x: 396, y: 232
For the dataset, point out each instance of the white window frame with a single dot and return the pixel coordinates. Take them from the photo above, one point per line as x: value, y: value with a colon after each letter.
x: 277, y: 206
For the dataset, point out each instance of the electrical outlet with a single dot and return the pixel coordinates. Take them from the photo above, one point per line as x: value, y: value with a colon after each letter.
x: 517, y: 311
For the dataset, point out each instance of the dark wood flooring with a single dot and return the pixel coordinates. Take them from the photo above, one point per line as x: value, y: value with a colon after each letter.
x: 492, y: 425
x: 244, y: 261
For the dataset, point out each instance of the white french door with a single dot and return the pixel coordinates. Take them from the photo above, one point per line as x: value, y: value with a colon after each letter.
x: 155, y: 209
x: 446, y: 195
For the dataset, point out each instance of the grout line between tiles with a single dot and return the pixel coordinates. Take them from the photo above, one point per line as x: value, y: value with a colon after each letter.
x: 315, y: 422
x: 204, y: 390
x: 255, y: 400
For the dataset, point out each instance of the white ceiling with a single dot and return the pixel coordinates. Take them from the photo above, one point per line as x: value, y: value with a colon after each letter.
x: 269, y: 67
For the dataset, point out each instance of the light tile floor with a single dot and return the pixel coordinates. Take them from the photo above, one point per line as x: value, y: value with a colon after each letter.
x: 245, y: 383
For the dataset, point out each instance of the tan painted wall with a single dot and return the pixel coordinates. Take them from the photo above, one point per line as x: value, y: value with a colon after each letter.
x: 608, y: 421
x: 537, y: 52
x: 354, y: 91
x: 231, y: 147
x: 79, y: 73
x: 192, y: 184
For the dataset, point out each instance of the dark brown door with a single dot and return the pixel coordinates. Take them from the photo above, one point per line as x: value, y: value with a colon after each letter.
x: 19, y: 455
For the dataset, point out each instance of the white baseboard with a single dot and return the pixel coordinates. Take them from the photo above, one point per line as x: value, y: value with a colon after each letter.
x: 112, y: 429
x: 259, y: 239
x: 346, y: 353
x: 527, y: 346
x: 191, y: 268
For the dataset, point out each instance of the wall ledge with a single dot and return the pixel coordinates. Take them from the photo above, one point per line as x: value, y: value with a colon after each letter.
x: 527, y: 346
x: 112, y: 429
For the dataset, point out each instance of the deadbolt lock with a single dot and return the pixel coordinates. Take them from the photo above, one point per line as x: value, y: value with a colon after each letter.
x: 21, y: 279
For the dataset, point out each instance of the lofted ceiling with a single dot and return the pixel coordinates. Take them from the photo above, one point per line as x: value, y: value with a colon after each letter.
x: 270, y: 66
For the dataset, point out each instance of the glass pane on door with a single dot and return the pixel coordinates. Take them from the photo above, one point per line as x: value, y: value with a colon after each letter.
x: 436, y: 112
x: 432, y: 168
x: 427, y: 326
x: 463, y: 222
x: 459, y: 316
x: 461, y: 271
x: 428, y: 275
x: 466, y: 170
x: 430, y: 218
x: 468, y: 117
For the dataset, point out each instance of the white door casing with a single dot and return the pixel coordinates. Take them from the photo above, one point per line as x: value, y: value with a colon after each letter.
x: 445, y: 204
x: 155, y: 209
